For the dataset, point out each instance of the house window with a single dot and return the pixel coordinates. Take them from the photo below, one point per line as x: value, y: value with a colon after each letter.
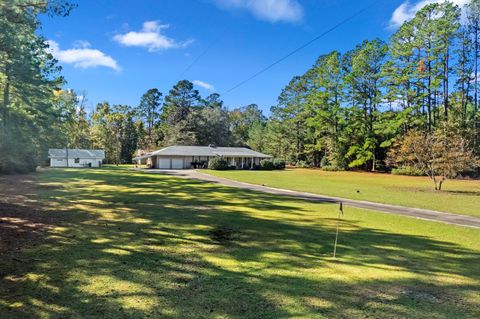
x: 77, y: 160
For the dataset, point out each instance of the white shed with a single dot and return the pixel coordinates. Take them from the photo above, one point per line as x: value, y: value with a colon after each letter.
x: 62, y: 157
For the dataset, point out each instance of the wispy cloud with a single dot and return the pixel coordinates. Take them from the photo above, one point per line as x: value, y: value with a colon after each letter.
x: 204, y: 85
x: 269, y: 10
x: 407, y: 10
x: 150, y: 37
x: 82, y: 56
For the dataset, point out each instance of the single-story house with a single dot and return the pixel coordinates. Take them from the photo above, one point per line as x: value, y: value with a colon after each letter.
x: 183, y: 157
x: 62, y: 157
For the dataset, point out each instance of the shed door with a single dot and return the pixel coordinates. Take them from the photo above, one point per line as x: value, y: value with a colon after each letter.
x: 177, y: 163
x: 163, y: 163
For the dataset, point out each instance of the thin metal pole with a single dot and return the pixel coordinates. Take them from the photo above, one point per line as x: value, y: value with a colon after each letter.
x: 340, y: 213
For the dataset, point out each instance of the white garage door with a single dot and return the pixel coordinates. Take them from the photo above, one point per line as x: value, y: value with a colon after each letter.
x: 163, y: 163
x: 177, y: 163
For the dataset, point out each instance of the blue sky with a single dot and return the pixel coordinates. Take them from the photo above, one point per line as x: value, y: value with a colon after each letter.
x: 116, y: 50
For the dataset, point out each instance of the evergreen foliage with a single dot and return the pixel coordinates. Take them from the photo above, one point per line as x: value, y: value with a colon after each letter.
x: 348, y: 111
x: 218, y: 163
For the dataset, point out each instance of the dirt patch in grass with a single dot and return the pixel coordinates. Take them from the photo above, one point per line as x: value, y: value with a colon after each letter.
x: 224, y: 234
x: 22, y: 221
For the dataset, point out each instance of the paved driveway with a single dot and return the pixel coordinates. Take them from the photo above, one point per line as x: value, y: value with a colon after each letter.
x: 419, y: 213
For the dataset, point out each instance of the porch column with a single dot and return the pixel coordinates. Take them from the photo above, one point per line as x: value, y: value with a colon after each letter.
x: 242, y: 161
x: 252, y: 163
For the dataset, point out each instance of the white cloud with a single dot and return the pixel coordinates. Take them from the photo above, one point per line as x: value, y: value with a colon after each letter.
x: 150, y: 37
x: 407, y: 10
x: 81, y: 44
x: 204, y: 85
x: 82, y: 56
x: 270, y: 10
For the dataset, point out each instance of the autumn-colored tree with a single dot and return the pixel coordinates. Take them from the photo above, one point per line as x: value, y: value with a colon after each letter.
x: 439, y: 154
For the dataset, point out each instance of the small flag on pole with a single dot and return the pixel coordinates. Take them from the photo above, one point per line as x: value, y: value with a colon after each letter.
x: 340, y: 214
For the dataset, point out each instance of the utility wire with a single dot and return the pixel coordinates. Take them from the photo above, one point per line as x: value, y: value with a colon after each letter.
x: 302, y: 47
x: 199, y: 57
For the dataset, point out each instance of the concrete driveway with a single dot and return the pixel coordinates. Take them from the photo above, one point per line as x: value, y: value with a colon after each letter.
x: 443, y: 217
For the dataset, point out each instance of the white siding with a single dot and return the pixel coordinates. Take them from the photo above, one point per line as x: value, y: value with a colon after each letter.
x: 58, y: 162
x: 83, y: 162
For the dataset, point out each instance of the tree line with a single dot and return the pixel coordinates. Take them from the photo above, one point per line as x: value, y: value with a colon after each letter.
x: 30, y: 119
x: 361, y: 109
x: 182, y: 117
x: 368, y: 108
x: 37, y: 113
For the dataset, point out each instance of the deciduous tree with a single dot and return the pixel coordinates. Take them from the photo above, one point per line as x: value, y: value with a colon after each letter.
x: 439, y: 155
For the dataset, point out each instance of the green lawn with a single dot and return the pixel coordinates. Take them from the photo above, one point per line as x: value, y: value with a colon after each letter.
x: 457, y: 196
x: 125, y: 244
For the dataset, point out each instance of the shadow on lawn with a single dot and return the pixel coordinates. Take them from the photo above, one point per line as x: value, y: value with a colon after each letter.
x: 146, y: 245
x: 461, y: 192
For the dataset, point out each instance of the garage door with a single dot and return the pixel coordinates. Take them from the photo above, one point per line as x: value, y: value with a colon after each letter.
x: 177, y: 163
x: 164, y: 163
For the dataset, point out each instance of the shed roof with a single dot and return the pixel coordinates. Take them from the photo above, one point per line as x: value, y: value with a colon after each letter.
x: 178, y: 150
x: 74, y: 152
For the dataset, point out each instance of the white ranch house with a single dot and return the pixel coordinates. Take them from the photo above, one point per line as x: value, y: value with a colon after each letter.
x: 62, y: 157
x: 184, y: 157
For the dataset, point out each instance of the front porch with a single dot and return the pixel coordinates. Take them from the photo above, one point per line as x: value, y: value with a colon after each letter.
x: 243, y: 162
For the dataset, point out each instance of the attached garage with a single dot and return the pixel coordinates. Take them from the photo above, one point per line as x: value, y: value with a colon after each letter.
x: 177, y: 163
x: 163, y: 162
x: 169, y: 162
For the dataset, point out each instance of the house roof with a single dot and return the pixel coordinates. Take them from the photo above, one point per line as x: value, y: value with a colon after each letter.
x: 204, y: 151
x: 76, y: 153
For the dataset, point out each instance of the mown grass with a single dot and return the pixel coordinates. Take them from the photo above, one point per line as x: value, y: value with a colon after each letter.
x: 126, y: 244
x: 457, y: 196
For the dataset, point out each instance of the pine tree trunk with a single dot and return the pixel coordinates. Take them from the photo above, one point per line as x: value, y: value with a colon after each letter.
x: 373, y: 162
x: 475, y: 90
x: 6, y: 100
x: 445, y: 85
x: 429, y: 98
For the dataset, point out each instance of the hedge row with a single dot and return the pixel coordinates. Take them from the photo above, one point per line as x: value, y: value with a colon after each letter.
x: 220, y: 163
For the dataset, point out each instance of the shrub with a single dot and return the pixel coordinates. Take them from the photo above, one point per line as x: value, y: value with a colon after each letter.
x: 302, y: 164
x: 278, y: 164
x: 407, y: 170
x: 218, y: 163
x: 324, y: 162
x: 13, y: 161
x: 331, y: 168
x: 267, y: 165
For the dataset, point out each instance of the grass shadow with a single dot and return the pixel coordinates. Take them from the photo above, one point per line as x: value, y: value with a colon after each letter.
x: 131, y: 245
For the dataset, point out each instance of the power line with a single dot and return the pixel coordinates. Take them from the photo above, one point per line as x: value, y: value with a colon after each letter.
x: 301, y: 47
x: 199, y: 57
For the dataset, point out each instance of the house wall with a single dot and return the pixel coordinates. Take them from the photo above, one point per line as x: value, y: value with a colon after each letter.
x: 167, y: 161
x: 83, y: 162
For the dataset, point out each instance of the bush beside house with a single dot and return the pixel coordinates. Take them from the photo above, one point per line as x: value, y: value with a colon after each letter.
x: 218, y: 163
x: 268, y: 164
